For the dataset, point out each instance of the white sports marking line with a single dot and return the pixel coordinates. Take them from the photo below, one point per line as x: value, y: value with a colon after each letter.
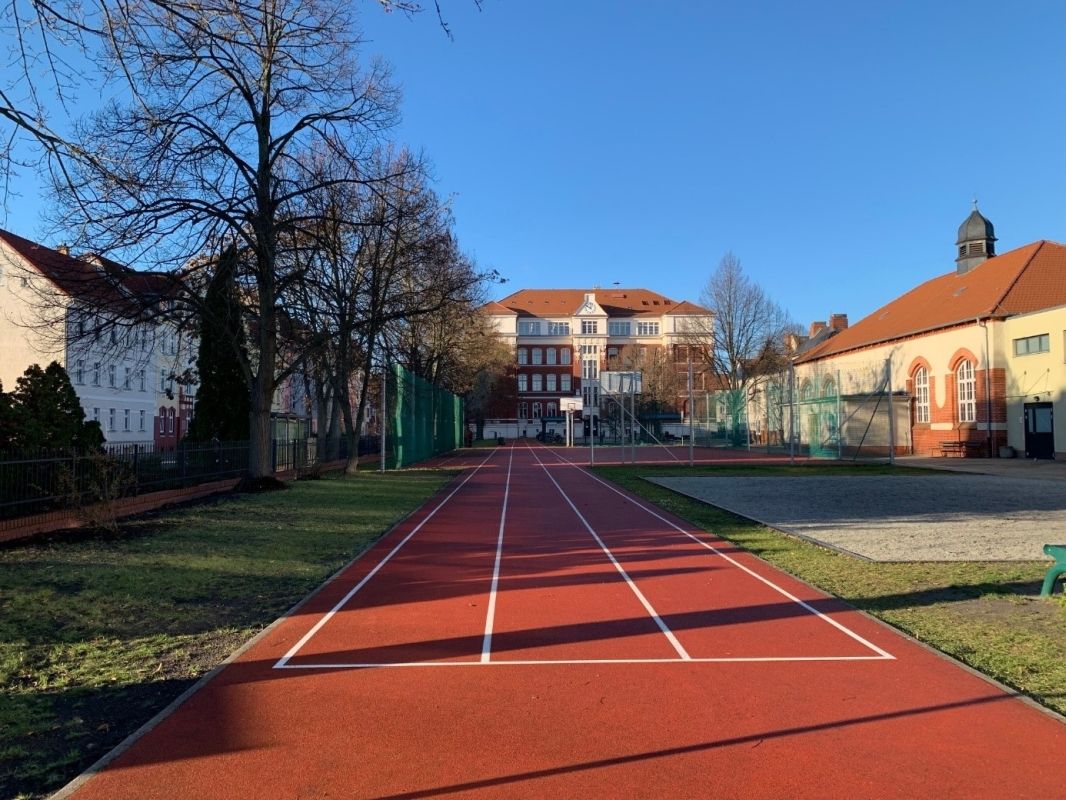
x: 486, y: 647
x: 535, y: 663
x: 825, y: 618
x: 621, y: 570
x: 283, y: 661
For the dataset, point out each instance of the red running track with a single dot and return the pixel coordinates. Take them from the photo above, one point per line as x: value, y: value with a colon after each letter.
x: 533, y: 632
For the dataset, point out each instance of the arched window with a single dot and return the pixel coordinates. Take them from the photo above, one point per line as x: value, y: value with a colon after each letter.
x: 829, y: 388
x: 965, y: 387
x: 170, y: 420
x: 553, y: 410
x: 807, y: 391
x: 523, y: 411
x: 536, y: 411
x: 921, y: 395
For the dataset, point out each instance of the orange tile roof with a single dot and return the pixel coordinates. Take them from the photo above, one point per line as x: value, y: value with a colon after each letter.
x: 492, y: 307
x: 92, y: 279
x: 1027, y: 279
x: 616, y: 302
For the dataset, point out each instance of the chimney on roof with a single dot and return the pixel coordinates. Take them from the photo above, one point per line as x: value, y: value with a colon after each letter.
x: 63, y: 249
x: 838, y: 322
x: 816, y: 327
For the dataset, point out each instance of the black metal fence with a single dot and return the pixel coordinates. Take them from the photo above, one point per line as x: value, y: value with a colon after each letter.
x: 37, y: 481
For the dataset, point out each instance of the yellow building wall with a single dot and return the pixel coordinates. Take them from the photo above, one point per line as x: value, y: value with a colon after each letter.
x: 1035, y: 377
x: 22, y: 341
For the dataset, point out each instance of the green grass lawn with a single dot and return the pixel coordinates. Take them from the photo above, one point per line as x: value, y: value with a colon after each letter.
x: 988, y: 615
x: 98, y: 633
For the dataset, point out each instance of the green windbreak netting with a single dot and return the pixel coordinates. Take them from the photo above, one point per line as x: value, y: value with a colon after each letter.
x: 426, y: 420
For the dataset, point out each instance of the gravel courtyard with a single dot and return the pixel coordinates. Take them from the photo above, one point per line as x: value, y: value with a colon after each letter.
x: 899, y: 518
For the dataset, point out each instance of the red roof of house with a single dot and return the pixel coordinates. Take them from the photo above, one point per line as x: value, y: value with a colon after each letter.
x: 616, y: 302
x: 1028, y: 279
x: 94, y: 279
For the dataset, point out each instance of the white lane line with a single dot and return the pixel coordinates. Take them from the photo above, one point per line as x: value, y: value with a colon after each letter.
x: 824, y: 617
x: 283, y: 661
x: 621, y: 570
x: 486, y: 647
x: 534, y: 663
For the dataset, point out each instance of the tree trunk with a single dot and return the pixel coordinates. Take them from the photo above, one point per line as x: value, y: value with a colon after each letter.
x: 333, y: 435
x: 260, y: 457
x: 361, y: 413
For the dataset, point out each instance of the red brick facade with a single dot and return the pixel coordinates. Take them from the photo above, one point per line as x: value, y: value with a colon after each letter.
x: 944, y: 411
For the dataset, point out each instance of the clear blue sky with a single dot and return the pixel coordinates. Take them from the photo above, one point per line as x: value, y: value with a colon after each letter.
x: 834, y: 147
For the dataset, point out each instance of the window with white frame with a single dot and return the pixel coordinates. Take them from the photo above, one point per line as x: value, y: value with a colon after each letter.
x: 1032, y: 344
x: 96, y: 415
x: 647, y: 329
x: 125, y: 419
x: 96, y: 373
x: 111, y: 419
x: 553, y: 410
x: 558, y: 328
x: 564, y: 383
x: 523, y: 355
x: 529, y: 327
x: 170, y: 420
x: 162, y: 420
x: 523, y: 383
x: 523, y: 411
x: 126, y: 381
x: 590, y: 326
x: 141, y: 428
x: 111, y: 375
x: 590, y: 369
x: 921, y: 395
x: 965, y: 388
x: 550, y: 382
x: 79, y: 371
x: 618, y: 328
x: 550, y: 355
x: 538, y: 355
x: 538, y: 383
x: 536, y: 410
x: 564, y: 355
x: 140, y: 379
x: 162, y: 380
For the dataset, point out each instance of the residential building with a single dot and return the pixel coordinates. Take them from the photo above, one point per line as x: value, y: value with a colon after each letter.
x: 564, y: 339
x: 106, y: 325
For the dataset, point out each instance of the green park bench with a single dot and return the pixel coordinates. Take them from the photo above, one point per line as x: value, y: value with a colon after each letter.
x: 1057, y: 552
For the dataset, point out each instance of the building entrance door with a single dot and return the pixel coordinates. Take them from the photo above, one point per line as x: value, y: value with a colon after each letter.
x: 1039, y: 430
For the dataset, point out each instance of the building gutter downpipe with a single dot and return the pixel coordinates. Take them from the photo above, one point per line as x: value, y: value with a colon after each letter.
x: 988, y: 387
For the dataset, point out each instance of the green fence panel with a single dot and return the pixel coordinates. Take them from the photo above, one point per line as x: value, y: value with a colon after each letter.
x: 426, y: 420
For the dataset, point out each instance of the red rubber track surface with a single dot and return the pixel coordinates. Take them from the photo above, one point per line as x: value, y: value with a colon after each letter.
x: 625, y: 659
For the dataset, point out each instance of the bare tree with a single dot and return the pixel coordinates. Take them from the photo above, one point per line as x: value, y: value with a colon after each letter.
x: 229, y: 101
x: 51, y: 44
x: 744, y: 337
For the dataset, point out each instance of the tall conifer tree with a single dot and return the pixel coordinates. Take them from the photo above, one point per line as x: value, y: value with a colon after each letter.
x: 222, y: 401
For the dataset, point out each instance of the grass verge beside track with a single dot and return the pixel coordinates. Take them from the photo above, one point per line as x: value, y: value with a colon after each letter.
x: 99, y: 632
x: 986, y: 614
